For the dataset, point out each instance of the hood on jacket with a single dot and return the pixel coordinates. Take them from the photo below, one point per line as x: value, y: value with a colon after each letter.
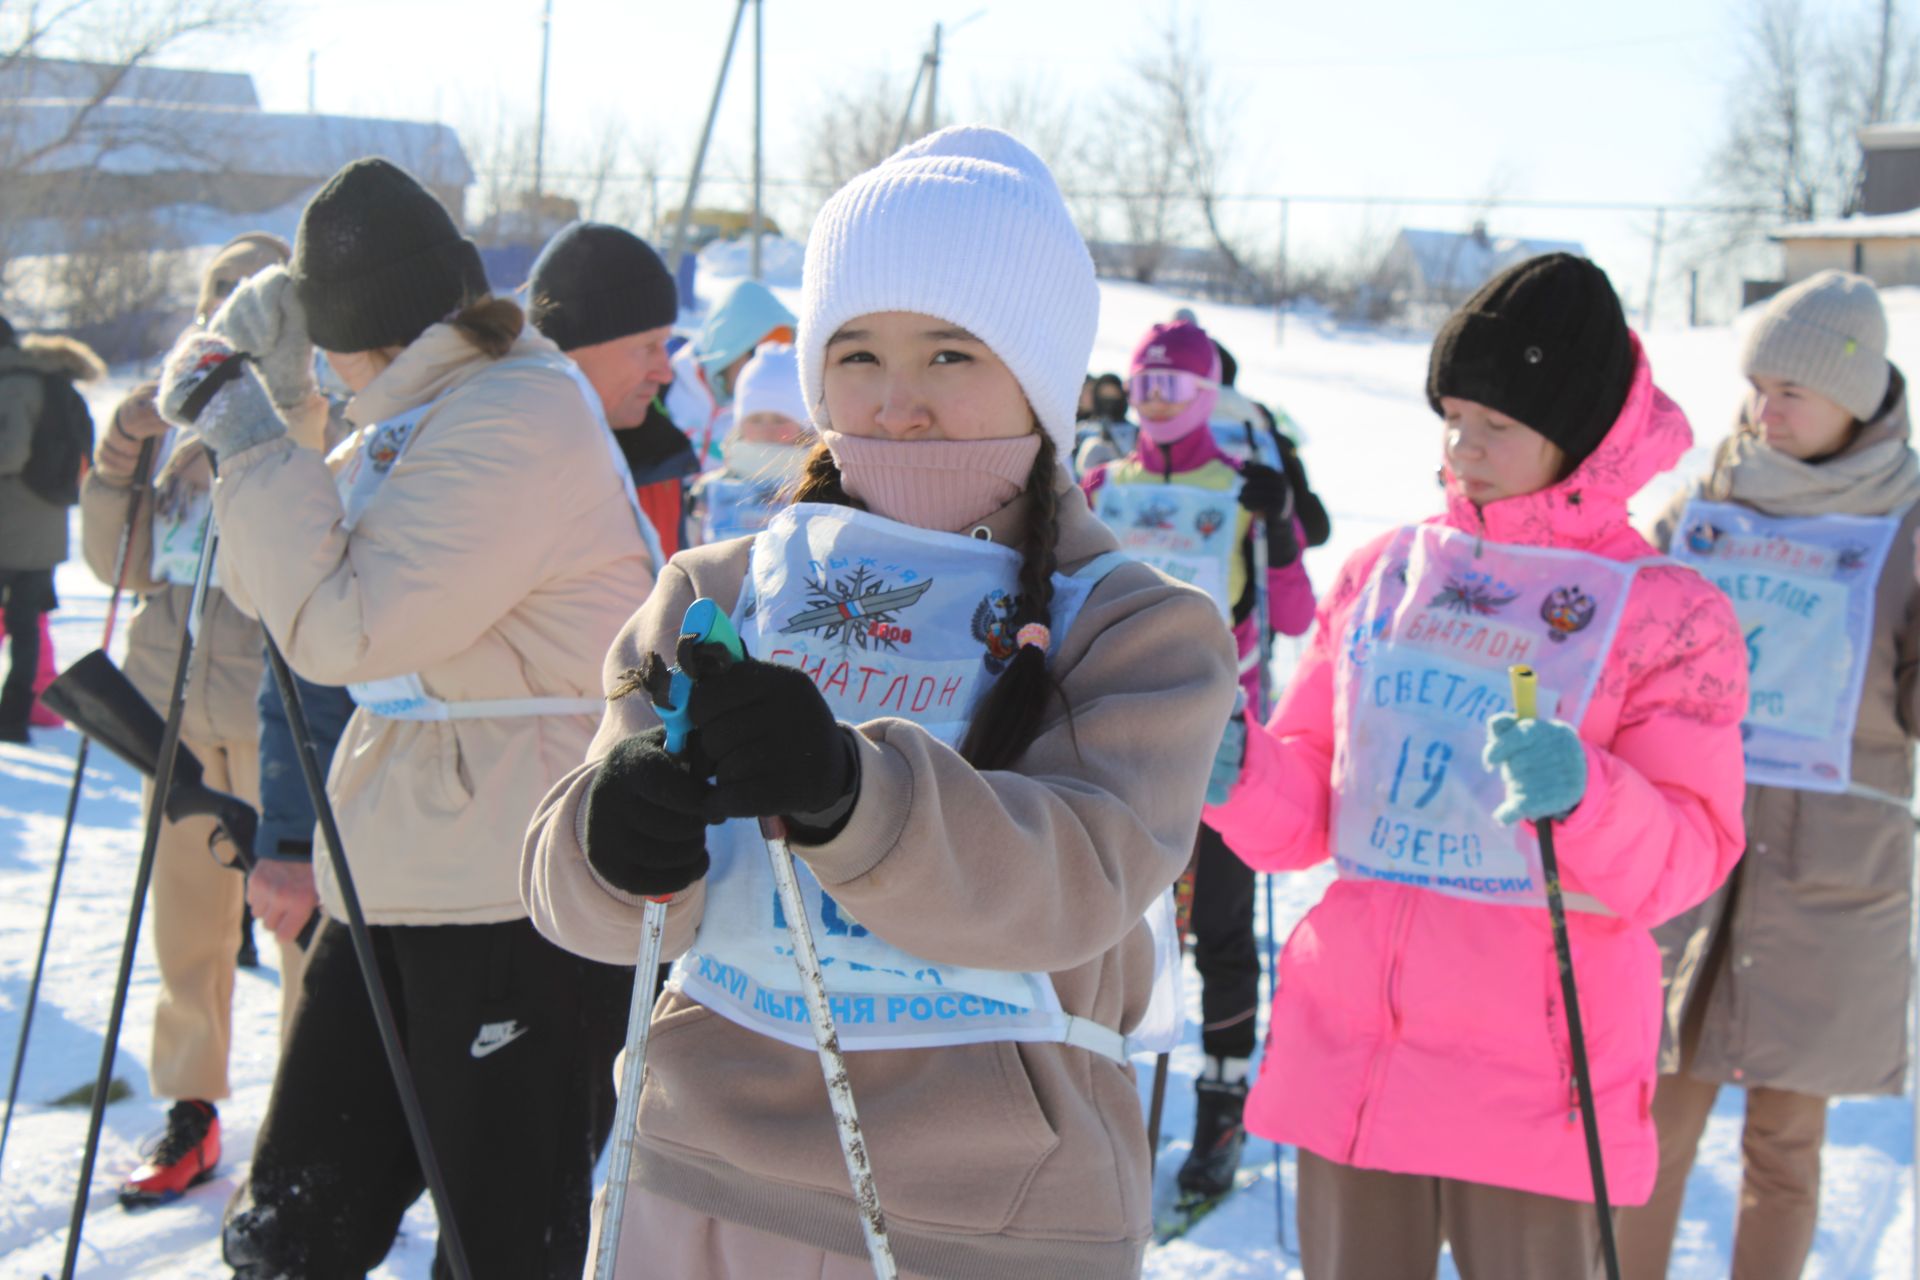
x: 741, y: 321
x: 1648, y: 437
x: 67, y: 358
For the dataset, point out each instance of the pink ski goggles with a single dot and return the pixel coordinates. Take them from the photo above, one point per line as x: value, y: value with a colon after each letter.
x: 1168, y: 386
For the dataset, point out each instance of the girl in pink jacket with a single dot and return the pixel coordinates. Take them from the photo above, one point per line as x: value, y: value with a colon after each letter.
x: 1420, y: 1056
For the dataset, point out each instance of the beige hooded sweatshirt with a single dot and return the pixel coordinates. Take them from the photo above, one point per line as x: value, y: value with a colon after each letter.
x: 996, y: 1159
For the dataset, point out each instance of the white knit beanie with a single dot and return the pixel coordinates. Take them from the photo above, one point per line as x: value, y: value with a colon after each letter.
x: 1829, y: 334
x: 770, y: 383
x: 965, y: 225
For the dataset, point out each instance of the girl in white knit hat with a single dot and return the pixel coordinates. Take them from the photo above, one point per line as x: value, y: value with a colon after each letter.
x: 764, y: 452
x: 989, y: 736
x: 1792, y: 980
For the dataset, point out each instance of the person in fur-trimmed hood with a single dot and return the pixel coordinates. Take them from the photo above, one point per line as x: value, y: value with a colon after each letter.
x: 1792, y: 981
x: 45, y: 436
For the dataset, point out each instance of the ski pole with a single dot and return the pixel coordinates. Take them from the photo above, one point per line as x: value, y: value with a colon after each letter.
x: 396, y: 1055
x: 833, y: 1061
x: 714, y: 626
x: 671, y: 703
x: 120, y: 554
x: 1525, y: 687
x: 143, y: 878
x: 1264, y: 616
x: 1182, y: 918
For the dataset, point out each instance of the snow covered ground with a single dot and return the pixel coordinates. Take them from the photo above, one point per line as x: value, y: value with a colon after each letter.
x: 1372, y: 448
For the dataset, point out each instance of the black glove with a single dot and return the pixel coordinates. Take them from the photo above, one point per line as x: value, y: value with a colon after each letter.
x: 1265, y: 492
x: 775, y: 747
x: 646, y: 823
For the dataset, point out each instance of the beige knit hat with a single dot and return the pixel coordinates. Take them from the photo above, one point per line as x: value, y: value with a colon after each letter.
x: 1829, y: 334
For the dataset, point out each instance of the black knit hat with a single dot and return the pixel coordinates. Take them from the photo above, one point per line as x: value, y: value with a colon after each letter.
x: 1545, y: 343
x: 378, y: 260
x: 594, y: 283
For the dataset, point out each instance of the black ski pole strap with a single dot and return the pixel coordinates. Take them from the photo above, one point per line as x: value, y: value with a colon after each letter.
x: 219, y: 376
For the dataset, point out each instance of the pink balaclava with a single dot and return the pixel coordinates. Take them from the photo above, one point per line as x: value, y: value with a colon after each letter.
x: 1182, y: 346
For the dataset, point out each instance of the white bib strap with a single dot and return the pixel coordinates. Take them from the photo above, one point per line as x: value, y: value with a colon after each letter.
x: 434, y: 709
x: 1084, y: 1033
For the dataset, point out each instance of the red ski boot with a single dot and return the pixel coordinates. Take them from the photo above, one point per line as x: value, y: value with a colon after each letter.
x: 183, y: 1156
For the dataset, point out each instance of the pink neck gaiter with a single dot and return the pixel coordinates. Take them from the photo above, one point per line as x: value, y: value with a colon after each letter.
x: 1186, y: 422
x: 944, y: 485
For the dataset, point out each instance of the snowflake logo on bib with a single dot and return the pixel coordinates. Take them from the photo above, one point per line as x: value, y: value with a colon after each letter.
x: 1852, y: 560
x: 1208, y: 522
x: 1155, y: 515
x: 1566, y: 611
x: 1473, y: 593
x: 859, y: 610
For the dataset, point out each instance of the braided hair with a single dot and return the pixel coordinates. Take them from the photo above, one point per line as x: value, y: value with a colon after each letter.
x: 1008, y: 717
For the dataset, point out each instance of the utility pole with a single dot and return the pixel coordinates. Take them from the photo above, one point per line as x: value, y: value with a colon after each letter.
x: 540, y: 121
x: 1653, y: 272
x: 706, y: 136
x: 759, y: 29
x: 933, y: 84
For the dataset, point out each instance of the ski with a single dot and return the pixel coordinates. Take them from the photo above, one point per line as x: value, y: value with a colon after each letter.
x: 1188, y: 1212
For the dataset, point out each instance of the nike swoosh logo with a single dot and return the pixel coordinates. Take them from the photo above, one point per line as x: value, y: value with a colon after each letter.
x: 483, y: 1044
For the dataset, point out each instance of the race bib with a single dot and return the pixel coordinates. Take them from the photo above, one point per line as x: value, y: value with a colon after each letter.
x: 888, y: 620
x: 1803, y: 589
x: 1185, y: 532
x: 1424, y: 665
x: 731, y: 508
x: 178, y: 538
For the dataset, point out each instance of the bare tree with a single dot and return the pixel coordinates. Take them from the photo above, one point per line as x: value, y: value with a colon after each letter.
x: 1162, y: 145
x: 1807, y: 79
x: 854, y: 128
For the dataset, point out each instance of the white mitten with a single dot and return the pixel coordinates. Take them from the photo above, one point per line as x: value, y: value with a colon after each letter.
x: 206, y: 388
x: 262, y: 317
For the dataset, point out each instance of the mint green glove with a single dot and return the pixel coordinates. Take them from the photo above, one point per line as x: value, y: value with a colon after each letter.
x: 1542, y: 763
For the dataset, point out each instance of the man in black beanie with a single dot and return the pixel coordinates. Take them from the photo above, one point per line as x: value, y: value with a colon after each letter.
x: 1546, y: 344
x: 604, y: 297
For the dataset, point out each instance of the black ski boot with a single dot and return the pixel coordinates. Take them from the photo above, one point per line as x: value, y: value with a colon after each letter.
x: 1219, y: 1131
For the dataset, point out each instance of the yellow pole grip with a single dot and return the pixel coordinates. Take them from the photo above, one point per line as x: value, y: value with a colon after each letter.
x: 1525, y: 686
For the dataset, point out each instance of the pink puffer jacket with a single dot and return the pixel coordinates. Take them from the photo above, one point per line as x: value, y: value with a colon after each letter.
x: 1419, y: 1033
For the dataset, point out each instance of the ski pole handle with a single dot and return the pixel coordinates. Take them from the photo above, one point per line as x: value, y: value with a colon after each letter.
x: 1526, y: 689
x: 708, y: 623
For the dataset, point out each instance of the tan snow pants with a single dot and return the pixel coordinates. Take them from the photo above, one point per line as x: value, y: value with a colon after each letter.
x: 1362, y: 1224
x: 665, y: 1238
x: 1779, y: 1184
x: 194, y: 924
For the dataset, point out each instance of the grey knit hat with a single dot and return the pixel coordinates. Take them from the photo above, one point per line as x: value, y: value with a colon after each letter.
x: 1829, y: 334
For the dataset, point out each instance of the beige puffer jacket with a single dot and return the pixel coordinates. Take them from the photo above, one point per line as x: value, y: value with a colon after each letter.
x: 1795, y: 974
x: 498, y: 560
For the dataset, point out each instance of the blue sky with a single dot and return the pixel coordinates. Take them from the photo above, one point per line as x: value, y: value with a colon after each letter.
x: 1520, y: 99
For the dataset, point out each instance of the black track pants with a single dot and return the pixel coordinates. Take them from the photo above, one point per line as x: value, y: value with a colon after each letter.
x: 512, y: 1042
x: 1224, y: 949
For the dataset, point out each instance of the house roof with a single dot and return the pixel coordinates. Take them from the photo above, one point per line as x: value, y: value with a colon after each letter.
x: 64, y: 80
x: 145, y: 137
x: 1876, y: 137
x: 1463, y: 260
x: 1882, y: 226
